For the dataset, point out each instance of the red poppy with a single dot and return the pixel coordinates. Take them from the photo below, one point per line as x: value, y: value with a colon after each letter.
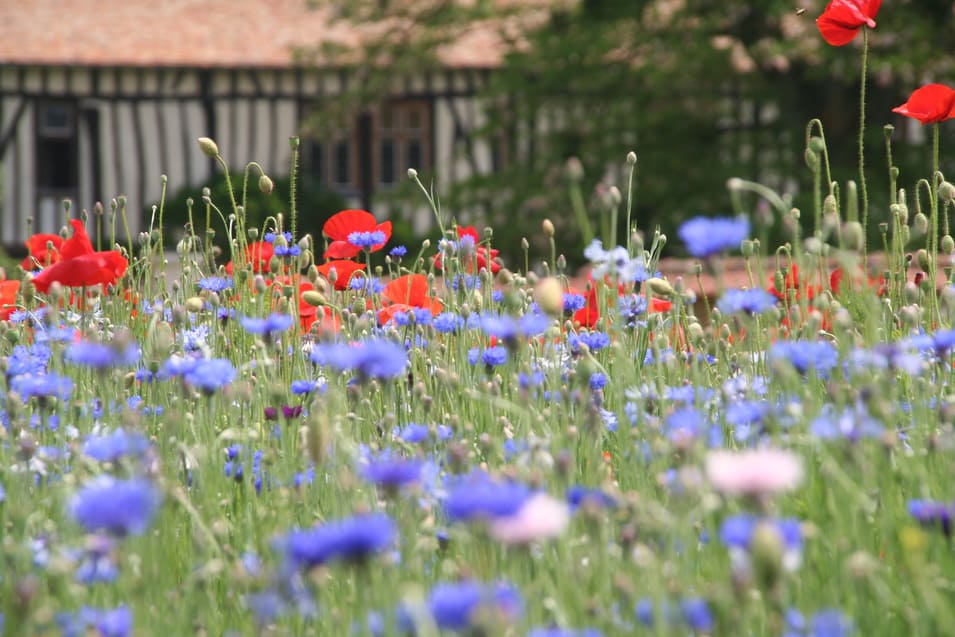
x: 343, y: 223
x: 344, y: 269
x: 85, y: 270
x: 588, y: 315
x: 841, y: 21
x: 44, y: 250
x: 77, y: 245
x: 8, y: 298
x: 484, y: 256
x: 929, y: 104
x: 791, y: 282
x: 259, y: 254
x: 406, y: 293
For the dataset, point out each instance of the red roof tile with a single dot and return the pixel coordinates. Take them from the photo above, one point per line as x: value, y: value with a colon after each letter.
x: 194, y: 33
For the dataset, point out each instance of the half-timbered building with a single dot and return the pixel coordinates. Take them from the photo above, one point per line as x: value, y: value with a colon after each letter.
x: 99, y: 98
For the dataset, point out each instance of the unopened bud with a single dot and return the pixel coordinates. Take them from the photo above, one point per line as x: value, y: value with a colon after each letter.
x: 923, y: 259
x: 313, y: 298
x: 208, y: 146
x: 946, y: 192
x: 549, y: 294
x: 548, y: 226
x: 631, y: 158
x: 659, y: 287
x: 853, y: 236
x: 266, y: 185
x: 412, y: 173
x: 194, y: 304
x: 920, y: 224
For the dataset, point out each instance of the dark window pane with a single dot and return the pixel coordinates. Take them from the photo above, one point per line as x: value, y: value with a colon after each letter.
x: 56, y: 120
x: 387, y: 161
x: 415, y: 154
x: 56, y: 164
x: 342, y: 172
x: 316, y: 161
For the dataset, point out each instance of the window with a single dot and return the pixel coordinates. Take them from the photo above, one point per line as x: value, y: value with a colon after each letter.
x: 403, y: 140
x: 375, y: 152
x: 57, y: 169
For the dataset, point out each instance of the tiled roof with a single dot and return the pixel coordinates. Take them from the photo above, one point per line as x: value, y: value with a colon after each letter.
x: 190, y: 33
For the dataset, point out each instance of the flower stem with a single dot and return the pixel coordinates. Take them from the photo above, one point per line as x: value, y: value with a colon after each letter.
x: 865, y: 194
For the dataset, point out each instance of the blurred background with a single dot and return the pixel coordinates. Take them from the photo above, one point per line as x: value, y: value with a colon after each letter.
x: 502, y: 105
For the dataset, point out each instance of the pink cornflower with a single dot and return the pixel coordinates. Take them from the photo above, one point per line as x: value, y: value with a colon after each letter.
x: 757, y: 472
x: 539, y: 518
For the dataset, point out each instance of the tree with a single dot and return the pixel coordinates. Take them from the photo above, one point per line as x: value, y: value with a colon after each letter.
x: 702, y: 90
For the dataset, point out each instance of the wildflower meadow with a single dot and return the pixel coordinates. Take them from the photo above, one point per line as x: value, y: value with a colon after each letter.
x: 339, y: 435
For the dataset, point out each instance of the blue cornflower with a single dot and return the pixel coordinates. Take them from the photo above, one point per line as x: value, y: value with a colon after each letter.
x: 573, y: 302
x: 287, y: 251
x: 754, y: 301
x: 932, y: 513
x: 852, y: 423
x: 97, y: 562
x: 391, y: 471
x: 366, y: 240
x: 631, y: 307
x: 208, y: 375
x: 447, y: 322
x: 413, y: 433
x: 597, y: 381
x: 684, y: 425
x: 454, y: 605
x: 737, y: 531
x: 195, y: 339
x: 578, y: 495
x: 102, y: 355
x: 120, y: 507
x: 369, y: 285
x: 697, y: 614
x: 3, y: 493
x: 805, y: 355
x: 397, y: 252
x: 593, y: 340
x: 373, y: 358
x: 215, y: 283
x: 470, y: 498
x: 704, y: 236
x: 305, y: 387
x: 746, y: 412
x: 533, y: 323
x: 113, y: 446
x: 28, y: 360
x: 494, y: 356
x: 268, y: 325
x: 616, y: 263
x: 42, y: 386
x: 564, y: 632
x: 116, y: 622
x: 826, y: 623
x: 351, y: 539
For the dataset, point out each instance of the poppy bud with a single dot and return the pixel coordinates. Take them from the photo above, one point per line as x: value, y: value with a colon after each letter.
x: 548, y: 226
x: 746, y: 247
x: 947, y: 244
x: 812, y: 159
x: 923, y: 259
x: 313, y: 298
x: 853, y: 237
x: 549, y: 295
x: 631, y: 158
x: 193, y: 304
x: 659, y: 287
x: 946, y: 192
x: 525, y: 245
x: 412, y: 173
x: 817, y: 145
x: 266, y: 185
x: 208, y: 146
x: 920, y: 223
x: 575, y: 169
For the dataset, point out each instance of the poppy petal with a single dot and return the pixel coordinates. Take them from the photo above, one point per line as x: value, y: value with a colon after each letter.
x: 344, y: 269
x: 410, y: 289
x: 341, y: 224
x: 77, y: 245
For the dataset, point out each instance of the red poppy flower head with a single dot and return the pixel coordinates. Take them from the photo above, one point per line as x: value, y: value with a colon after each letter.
x: 259, y: 254
x: 340, y: 225
x: 841, y: 21
x: 44, y: 250
x: 8, y: 298
x: 77, y: 245
x: 85, y: 270
x: 929, y: 104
